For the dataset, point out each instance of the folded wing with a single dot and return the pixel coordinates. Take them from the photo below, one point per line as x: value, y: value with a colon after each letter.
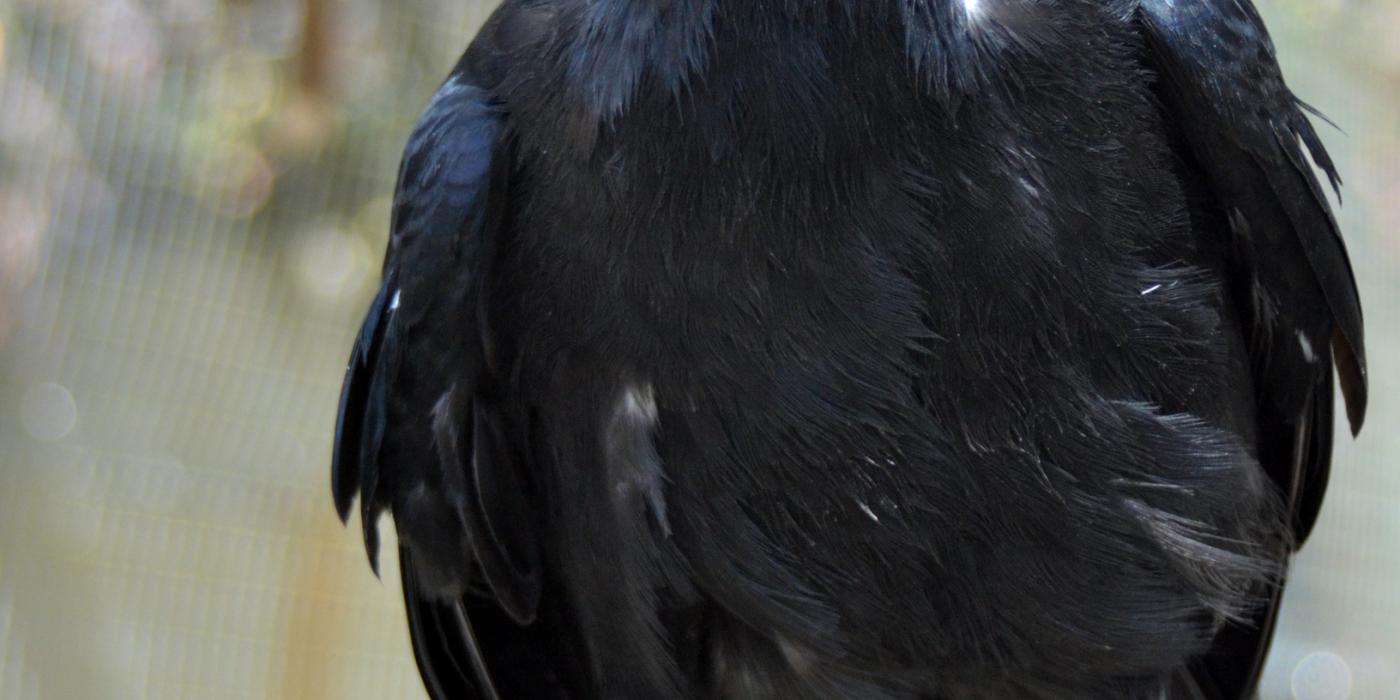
x: 421, y: 432
x: 1246, y: 135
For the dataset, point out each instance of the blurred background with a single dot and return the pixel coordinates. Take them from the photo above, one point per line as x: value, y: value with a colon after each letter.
x: 193, y: 201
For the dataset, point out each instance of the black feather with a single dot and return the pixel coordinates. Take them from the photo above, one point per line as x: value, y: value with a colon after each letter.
x: 502, y: 515
x: 1221, y: 81
x: 349, y: 423
x: 891, y: 349
x: 1247, y: 131
x: 415, y: 435
x: 444, y: 644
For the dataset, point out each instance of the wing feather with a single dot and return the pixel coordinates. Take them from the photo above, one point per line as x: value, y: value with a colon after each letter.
x: 1220, y: 80
x: 349, y: 422
x: 421, y: 431
x: 1249, y: 137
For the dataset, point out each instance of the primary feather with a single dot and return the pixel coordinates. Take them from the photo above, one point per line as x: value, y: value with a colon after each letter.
x: 892, y: 349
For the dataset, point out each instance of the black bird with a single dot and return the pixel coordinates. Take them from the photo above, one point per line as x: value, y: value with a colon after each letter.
x: 853, y: 348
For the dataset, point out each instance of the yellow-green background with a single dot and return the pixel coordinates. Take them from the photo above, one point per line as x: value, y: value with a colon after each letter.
x: 193, y: 199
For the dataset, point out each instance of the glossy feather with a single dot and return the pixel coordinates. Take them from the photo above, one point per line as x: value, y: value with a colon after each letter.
x: 897, y: 349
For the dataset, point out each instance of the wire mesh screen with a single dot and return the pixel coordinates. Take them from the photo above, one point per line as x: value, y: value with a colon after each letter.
x: 193, y: 200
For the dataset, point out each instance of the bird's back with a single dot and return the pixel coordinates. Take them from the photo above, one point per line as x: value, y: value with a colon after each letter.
x: 863, y: 350
x: 940, y: 384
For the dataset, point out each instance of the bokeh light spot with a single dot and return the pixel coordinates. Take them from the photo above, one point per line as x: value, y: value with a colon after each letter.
x: 1322, y: 675
x: 372, y: 219
x: 242, y: 89
x: 21, y: 235
x: 121, y: 40
x: 302, y: 126
x: 329, y: 263
x: 48, y: 411
x: 236, y: 179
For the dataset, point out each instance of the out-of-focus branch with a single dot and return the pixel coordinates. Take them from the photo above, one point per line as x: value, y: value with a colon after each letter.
x: 306, y: 121
x: 313, y: 56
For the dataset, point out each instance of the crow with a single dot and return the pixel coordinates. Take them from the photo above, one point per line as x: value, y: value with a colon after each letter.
x: 931, y: 349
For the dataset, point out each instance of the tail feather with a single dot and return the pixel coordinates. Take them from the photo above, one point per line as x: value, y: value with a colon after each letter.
x: 444, y: 644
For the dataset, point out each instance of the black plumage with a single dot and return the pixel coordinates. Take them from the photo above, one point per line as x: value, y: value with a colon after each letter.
x: 823, y: 348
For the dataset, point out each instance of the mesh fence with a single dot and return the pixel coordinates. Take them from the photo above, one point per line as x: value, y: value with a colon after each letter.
x: 193, y: 201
